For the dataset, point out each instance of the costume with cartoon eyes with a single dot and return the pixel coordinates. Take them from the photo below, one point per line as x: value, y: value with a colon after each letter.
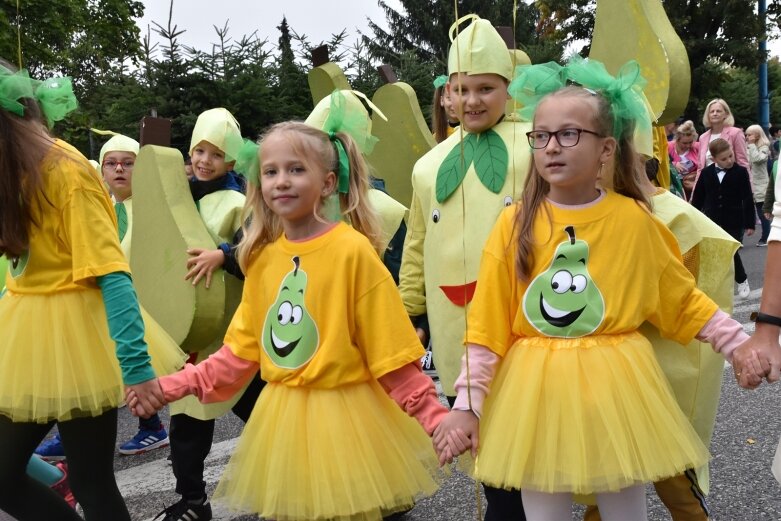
x: 597, y: 413
x: 446, y: 232
x: 309, y: 317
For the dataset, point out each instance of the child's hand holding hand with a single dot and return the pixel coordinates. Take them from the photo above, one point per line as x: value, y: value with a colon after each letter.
x: 145, y: 399
x: 457, y: 433
x: 203, y: 263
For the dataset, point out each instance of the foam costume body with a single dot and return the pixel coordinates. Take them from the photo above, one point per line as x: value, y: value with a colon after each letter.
x: 445, y: 235
x: 68, y: 368
x: 166, y: 357
x: 596, y: 413
x: 305, y: 453
x: 695, y: 372
x: 221, y: 211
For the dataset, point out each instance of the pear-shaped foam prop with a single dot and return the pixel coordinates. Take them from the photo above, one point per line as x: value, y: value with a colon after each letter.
x: 403, y: 138
x: 564, y: 301
x: 324, y: 79
x: 640, y: 30
x: 166, y: 223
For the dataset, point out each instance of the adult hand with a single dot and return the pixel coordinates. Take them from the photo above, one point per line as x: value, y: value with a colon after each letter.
x: 758, y: 357
x: 422, y: 336
x: 203, y: 263
x: 749, y: 232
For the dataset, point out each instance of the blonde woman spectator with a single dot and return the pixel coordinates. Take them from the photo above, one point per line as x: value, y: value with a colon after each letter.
x: 684, y: 153
x: 758, y: 152
x: 721, y: 124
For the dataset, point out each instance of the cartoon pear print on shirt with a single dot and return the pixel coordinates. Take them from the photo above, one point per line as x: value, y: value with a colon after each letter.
x: 18, y: 264
x: 564, y: 301
x: 290, y: 336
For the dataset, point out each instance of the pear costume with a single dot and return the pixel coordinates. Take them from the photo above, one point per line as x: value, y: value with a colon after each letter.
x: 454, y: 208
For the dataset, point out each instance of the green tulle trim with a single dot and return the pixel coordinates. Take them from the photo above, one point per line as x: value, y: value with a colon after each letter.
x: 624, y: 91
x: 248, y: 161
x: 54, y: 96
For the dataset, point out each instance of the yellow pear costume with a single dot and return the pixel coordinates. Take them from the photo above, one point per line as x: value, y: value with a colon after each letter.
x: 454, y: 208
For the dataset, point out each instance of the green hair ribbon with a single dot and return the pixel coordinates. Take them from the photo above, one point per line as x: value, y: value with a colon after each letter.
x: 248, y: 162
x: 440, y: 81
x: 623, y: 92
x: 344, y: 163
x: 54, y: 96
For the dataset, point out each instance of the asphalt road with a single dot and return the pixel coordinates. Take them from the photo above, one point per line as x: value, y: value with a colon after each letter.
x: 742, y: 487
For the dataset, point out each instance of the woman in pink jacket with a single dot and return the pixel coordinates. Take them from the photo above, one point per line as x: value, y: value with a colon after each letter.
x: 720, y: 123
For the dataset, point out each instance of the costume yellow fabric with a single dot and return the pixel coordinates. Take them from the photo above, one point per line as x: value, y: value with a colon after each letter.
x: 57, y: 360
x: 579, y: 403
x: 660, y: 153
x: 445, y: 240
x: 324, y: 320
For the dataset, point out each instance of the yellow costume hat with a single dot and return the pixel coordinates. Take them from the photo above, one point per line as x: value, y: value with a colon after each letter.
x: 478, y: 49
x: 355, y: 121
x: 118, y: 143
x: 220, y: 128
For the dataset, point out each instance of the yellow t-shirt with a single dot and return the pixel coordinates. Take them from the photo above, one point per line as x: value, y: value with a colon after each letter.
x: 64, y: 253
x: 617, y: 267
x: 322, y: 313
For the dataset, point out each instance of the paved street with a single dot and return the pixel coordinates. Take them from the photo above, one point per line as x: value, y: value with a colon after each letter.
x: 748, y: 429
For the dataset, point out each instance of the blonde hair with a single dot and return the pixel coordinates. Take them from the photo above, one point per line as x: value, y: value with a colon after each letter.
x: 627, y: 170
x: 762, y: 140
x: 730, y: 119
x: 686, y: 129
x: 317, y: 152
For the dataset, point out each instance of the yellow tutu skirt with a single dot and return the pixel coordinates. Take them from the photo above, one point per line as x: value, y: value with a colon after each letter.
x: 166, y: 356
x: 57, y: 361
x: 328, y: 454
x: 583, y: 415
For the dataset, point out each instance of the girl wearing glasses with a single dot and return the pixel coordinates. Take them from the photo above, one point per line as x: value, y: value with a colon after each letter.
x: 578, y: 403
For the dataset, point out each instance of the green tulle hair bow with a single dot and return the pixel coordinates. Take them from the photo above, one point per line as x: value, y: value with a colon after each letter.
x: 440, y: 81
x: 623, y: 91
x: 54, y: 96
x: 248, y: 162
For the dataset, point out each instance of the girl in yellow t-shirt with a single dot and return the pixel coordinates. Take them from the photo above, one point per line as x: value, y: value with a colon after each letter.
x: 322, y: 318
x: 578, y: 403
x: 71, y: 329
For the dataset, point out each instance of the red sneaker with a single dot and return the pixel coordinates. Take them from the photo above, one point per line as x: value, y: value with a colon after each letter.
x: 62, y: 487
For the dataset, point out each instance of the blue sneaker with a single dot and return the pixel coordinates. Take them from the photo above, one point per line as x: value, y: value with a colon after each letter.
x: 51, y: 449
x: 145, y: 441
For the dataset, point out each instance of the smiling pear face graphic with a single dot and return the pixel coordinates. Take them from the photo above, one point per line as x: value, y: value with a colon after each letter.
x: 564, y: 301
x: 290, y: 336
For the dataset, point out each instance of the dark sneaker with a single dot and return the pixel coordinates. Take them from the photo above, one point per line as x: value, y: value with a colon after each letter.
x: 144, y: 441
x: 51, y: 449
x: 186, y: 510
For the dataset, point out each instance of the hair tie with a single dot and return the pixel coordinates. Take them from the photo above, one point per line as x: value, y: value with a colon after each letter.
x: 344, y: 163
x: 440, y: 81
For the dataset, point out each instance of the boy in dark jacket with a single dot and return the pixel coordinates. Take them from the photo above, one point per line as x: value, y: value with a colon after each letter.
x: 723, y: 193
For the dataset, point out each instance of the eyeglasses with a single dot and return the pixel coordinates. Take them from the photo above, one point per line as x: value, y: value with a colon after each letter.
x: 566, y: 137
x: 112, y: 165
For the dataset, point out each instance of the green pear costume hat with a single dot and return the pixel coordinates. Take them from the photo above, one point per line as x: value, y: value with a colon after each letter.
x: 478, y: 49
x: 220, y: 128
